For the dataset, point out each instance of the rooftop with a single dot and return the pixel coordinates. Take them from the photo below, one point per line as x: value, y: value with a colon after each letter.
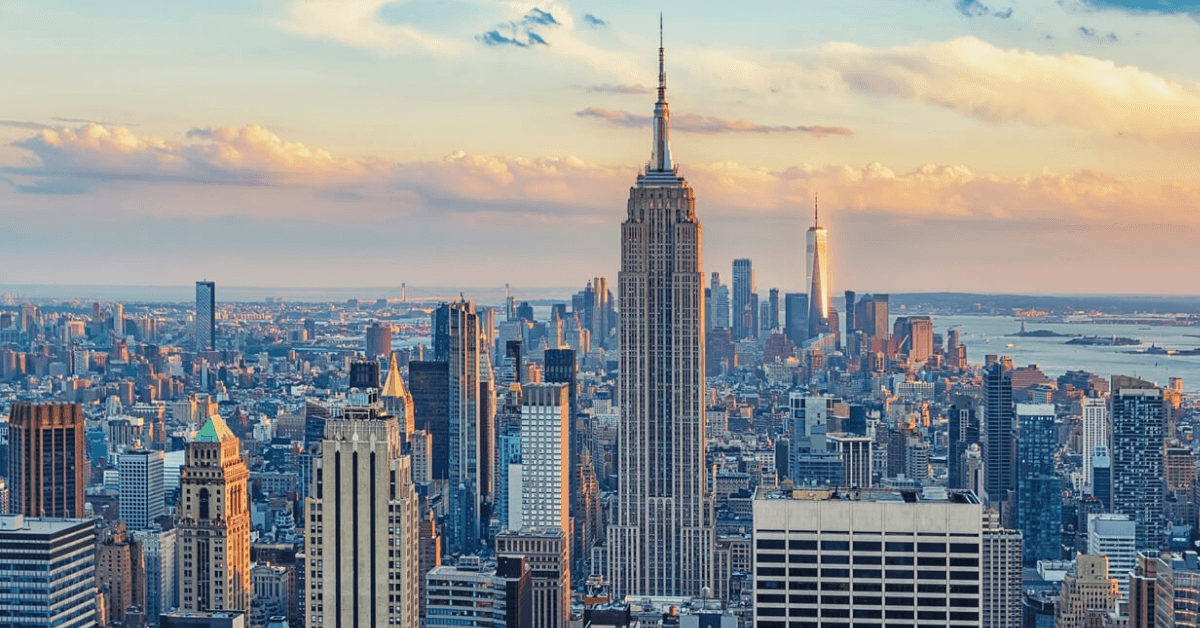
x: 877, y: 495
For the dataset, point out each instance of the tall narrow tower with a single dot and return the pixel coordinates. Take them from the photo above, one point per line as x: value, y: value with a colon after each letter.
x: 816, y: 275
x: 213, y: 519
x: 46, y: 462
x: 205, y: 331
x: 661, y: 539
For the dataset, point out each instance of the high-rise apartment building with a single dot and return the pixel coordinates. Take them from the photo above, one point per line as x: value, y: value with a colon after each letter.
x: 54, y: 563
x: 204, y: 331
x: 745, y: 301
x: 1038, y: 502
x: 999, y: 446
x: 120, y: 574
x: 870, y: 558
x: 213, y: 523
x: 1139, y: 428
x: 141, y: 488
x: 47, y: 465
x: 1115, y: 538
x: 545, y: 476
x: 661, y: 538
x: 158, y: 548
x: 481, y: 595
x: 1095, y: 433
x: 362, y: 526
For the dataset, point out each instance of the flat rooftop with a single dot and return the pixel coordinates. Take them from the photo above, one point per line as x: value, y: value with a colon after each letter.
x: 871, y: 495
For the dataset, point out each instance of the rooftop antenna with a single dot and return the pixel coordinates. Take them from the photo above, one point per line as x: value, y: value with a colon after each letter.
x: 816, y: 210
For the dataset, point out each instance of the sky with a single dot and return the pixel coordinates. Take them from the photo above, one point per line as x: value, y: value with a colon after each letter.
x: 1025, y: 146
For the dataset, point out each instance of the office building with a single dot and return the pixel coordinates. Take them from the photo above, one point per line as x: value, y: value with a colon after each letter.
x: 546, y: 552
x: 660, y: 541
x: 914, y: 338
x: 855, y: 455
x: 47, y: 465
x: 397, y: 401
x: 1101, y: 479
x: 871, y: 317
x: 120, y: 574
x: 745, y: 301
x: 963, y: 425
x: 429, y: 382
x: 1088, y: 594
x: 480, y: 595
x: 1138, y: 436
x: 1095, y: 433
x: 196, y: 619
x: 64, y: 550
x: 364, y: 375
x: 158, y: 547
x: 1002, y: 574
x: 999, y: 444
x: 830, y: 558
x: 795, y: 317
x: 1038, y: 502
x: 213, y: 523
x: 457, y: 341
x: 772, y: 322
x: 816, y: 275
x: 204, y: 331
x: 718, y: 304
x: 378, y: 340
x: 362, y: 526
x: 1115, y: 538
x: 141, y: 488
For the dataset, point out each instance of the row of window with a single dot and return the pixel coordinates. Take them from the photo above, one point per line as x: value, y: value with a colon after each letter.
x: 841, y: 572
x: 868, y: 546
x: 865, y: 600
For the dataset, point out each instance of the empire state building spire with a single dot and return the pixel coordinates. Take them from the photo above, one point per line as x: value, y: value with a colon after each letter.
x: 661, y: 159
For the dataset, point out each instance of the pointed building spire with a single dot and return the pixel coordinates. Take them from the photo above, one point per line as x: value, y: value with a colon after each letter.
x: 661, y: 159
x: 816, y: 211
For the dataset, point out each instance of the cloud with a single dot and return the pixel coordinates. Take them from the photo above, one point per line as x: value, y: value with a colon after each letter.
x: 1166, y: 7
x: 88, y: 121
x: 1090, y: 34
x: 975, y: 8
x: 24, y: 124
x: 606, y: 88
x: 1000, y: 86
x: 594, y: 22
x: 693, y: 123
x: 359, y: 23
x: 520, y: 33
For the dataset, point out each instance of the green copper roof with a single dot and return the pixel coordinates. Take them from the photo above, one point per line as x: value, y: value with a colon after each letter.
x: 214, y: 431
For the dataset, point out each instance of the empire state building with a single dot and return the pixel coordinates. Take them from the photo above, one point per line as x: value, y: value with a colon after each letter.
x: 661, y: 543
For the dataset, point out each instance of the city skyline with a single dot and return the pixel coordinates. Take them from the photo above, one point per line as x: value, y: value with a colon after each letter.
x: 217, y: 175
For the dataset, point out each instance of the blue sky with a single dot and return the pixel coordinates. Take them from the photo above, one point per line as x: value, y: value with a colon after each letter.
x: 292, y: 141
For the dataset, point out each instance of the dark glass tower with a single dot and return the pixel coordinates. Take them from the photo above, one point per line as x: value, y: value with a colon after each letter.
x: 1039, y: 490
x: 999, y: 450
x: 205, y: 330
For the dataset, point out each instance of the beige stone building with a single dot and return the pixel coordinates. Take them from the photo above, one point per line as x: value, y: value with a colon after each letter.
x: 213, y: 523
x: 1087, y: 596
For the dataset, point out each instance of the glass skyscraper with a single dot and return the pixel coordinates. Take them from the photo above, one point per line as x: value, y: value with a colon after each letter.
x: 1039, y: 490
x: 205, y: 330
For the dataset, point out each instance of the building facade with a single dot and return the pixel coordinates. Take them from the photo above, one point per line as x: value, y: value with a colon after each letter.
x: 47, y: 465
x: 362, y: 527
x: 1139, y: 427
x: 204, y: 331
x: 661, y: 538
x: 141, y: 488
x: 62, y: 549
x: 213, y: 523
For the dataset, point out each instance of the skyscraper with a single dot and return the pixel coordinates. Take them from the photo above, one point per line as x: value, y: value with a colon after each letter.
x: 54, y: 563
x: 362, y: 536
x: 213, y: 522
x: 745, y: 310
x: 1095, y: 433
x: 772, y: 321
x: 795, y: 317
x: 661, y: 539
x: 142, y: 496
x: 46, y: 460
x: 1139, y: 426
x: 1039, y: 491
x: 999, y: 449
x: 457, y: 342
x: 816, y: 272
x: 430, y: 384
x: 964, y: 431
x: 719, y: 308
x: 377, y: 340
x: 205, y: 331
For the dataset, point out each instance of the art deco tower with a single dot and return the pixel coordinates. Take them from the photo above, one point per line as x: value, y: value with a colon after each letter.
x: 661, y: 541
x: 213, y: 519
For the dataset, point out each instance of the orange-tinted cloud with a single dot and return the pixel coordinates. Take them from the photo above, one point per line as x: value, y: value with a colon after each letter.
x: 999, y: 86
x: 77, y: 160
